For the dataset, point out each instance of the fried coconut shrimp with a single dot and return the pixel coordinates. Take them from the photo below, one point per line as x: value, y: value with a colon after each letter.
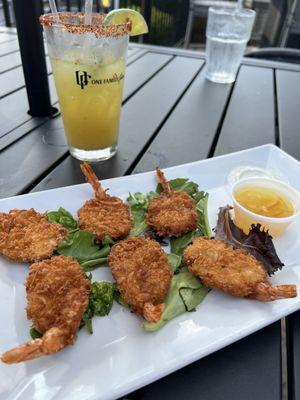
x: 173, y: 212
x: 233, y: 271
x: 104, y: 215
x: 57, y: 296
x: 141, y: 269
x: 28, y: 236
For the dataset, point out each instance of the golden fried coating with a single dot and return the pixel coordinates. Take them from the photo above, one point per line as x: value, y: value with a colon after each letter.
x: 141, y: 269
x: 233, y: 271
x: 28, y: 236
x: 104, y: 215
x: 57, y: 296
x: 173, y: 212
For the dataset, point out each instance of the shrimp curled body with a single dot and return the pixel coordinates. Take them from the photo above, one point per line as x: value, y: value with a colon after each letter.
x: 233, y: 271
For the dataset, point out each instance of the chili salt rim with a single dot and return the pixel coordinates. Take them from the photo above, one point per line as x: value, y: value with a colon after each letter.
x: 99, y: 30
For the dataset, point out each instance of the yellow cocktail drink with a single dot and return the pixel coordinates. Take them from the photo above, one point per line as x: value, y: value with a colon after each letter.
x: 90, y: 97
x: 88, y: 64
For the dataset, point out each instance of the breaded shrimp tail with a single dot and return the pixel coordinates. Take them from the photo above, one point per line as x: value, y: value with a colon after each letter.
x: 91, y: 177
x: 265, y: 292
x: 53, y: 340
x: 162, y: 179
x: 105, y: 215
x: 57, y: 295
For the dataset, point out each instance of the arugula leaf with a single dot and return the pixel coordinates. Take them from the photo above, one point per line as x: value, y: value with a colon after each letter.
x: 138, y: 206
x: 139, y: 223
x: 174, y: 261
x: 139, y: 201
x: 185, y: 293
x: 258, y: 242
x: 107, y: 240
x: 100, y: 302
x: 81, y: 246
x: 35, y: 334
x: 180, y: 184
x: 178, y: 244
x: 201, y: 199
x: 62, y: 217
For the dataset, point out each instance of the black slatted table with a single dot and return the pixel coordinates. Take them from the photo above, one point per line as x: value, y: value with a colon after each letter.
x: 171, y: 115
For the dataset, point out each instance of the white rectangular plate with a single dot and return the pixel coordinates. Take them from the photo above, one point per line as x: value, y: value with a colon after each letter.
x: 120, y: 357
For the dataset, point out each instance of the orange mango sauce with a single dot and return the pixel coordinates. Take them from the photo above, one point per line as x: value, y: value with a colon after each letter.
x: 265, y: 201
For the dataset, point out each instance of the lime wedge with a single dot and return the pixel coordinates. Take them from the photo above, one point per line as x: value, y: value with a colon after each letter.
x: 121, y: 15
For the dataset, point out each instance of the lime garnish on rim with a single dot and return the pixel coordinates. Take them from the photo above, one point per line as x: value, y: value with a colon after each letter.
x: 121, y: 15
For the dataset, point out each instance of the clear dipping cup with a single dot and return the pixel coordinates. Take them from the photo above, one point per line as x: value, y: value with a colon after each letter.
x: 244, y: 218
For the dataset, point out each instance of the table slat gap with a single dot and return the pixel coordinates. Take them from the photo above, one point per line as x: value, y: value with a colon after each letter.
x: 276, y: 112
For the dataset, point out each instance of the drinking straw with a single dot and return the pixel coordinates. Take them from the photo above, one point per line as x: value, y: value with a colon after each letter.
x: 239, y: 5
x: 88, y: 9
x: 53, y: 9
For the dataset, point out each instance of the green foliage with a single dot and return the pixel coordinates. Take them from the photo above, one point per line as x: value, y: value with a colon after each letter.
x: 100, y: 302
x: 138, y: 206
x: 185, y: 294
x: 174, y: 261
x: 62, y: 217
x: 81, y: 246
x: 35, y: 334
x: 183, y: 184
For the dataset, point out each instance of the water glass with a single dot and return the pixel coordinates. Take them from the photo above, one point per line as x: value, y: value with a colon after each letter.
x: 227, y: 33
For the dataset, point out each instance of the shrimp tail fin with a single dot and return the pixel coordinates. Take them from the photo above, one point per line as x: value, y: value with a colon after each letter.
x: 51, y: 342
x: 24, y: 352
x: 92, y: 179
x: 162, y: 179
x: 266, y: 292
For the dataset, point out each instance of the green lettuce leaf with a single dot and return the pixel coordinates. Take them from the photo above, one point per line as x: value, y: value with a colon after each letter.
x: 35, y: 334
x: 81, y: 246
x: 185, y: 294
x: 180, y: 184
x: 62, y: 217
x: 138, y: 206
x: 203, y: 228
x: 100, y: 302
x: 178, y: 244
x: 174, y: 261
